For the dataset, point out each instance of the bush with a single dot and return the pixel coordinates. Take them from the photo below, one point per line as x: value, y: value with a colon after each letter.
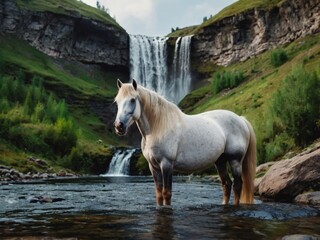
x: 32, y: 119
x: 297, y: 105
x: 278, y: 57
x: 227, y: 79
x: 278, y: 147
x: 62, y: 136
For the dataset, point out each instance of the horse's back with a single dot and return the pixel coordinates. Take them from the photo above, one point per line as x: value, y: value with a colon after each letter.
x: 201, y: 143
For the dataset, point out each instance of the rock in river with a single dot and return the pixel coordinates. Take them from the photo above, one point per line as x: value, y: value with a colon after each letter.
x: 312, y: 198
x: 288, y: 178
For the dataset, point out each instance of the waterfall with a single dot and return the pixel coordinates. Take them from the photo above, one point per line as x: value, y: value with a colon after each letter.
x: 149, y: 65
x: 120, y: 163
x: 148, y: 62
x: 181, y: 67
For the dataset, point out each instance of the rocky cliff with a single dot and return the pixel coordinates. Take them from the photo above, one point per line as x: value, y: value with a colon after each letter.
x: 70, y: 36
x: 249, y: 33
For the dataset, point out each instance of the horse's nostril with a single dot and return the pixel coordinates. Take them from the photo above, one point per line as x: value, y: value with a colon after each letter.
x: 118, y: 125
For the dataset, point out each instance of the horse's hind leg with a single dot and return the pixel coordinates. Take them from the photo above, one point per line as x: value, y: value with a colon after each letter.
x: 237, y: 180
x: 226, y: 182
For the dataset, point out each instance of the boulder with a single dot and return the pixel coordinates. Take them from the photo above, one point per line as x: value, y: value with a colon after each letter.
x: 312, y: 198
x: 301, y: 237
x: 262, y: 168
x: 288, y: 178
x: 257, y: 182
x: 39, y: 162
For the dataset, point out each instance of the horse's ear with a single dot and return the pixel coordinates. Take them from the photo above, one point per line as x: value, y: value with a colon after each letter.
x: 119, y: 83
x: 134, y: 84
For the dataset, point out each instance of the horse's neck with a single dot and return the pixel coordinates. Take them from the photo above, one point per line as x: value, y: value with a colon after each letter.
x: 156, y: 121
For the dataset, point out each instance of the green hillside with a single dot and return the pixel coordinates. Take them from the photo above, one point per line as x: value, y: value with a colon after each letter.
x: 235, y: 8
x: 253, y: 97
x: 21, y: 63
x: 68, y: 7
x: 47, y: 105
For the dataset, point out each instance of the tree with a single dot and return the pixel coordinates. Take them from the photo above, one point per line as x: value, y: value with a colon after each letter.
x: 98, y: 5
x: 297, y: 105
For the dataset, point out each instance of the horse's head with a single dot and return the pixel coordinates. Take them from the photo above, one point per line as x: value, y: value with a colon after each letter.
x: 129, y: 109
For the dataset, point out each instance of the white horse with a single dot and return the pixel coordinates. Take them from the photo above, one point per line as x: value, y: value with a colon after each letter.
x: 174, y: 140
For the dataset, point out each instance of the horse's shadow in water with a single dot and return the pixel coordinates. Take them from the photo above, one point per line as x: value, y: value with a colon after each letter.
x: 163, y: 227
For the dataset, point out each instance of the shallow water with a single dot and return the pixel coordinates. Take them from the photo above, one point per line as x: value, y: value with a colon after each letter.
x: 124, y: 207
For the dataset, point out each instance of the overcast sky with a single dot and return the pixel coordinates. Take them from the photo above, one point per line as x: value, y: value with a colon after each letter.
x: 157, y: 17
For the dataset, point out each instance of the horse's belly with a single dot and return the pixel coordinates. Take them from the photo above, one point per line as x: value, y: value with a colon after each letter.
x: 191, y: 163
x: 200, y: 147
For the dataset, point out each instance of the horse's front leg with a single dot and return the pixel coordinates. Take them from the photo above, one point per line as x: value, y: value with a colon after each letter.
x: 158, y: 183
x: 167, y: 170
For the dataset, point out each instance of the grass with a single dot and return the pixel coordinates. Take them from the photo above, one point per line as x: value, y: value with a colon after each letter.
x: 262, y: 78
x: 182, y: 32
x: 34, y: 62
x: 252, y: 97
x: 78, y: 83
x: 231, y: 10
x: 69, y: 7
x: 242, y: 6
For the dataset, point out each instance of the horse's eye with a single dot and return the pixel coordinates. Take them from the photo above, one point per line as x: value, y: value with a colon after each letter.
x: 132, y: 100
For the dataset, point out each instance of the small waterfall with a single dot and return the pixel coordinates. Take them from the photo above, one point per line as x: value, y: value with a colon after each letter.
x: 120, y: 163
x: 149, y: 65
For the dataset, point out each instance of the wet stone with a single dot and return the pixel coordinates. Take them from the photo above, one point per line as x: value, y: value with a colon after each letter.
x: 42, y: 199
x: 301, y: 237
x: 270, y: 211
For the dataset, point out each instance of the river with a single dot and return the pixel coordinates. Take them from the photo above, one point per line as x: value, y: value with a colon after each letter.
x: 124, y: 208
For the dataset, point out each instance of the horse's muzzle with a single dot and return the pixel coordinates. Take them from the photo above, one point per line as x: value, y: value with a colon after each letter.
x: 120, y: 128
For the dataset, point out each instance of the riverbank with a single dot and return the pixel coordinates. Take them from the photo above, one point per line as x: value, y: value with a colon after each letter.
x: 11, y: 175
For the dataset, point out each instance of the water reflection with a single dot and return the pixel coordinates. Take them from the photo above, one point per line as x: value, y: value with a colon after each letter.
x: 124, y: 208
x: 162, y: 228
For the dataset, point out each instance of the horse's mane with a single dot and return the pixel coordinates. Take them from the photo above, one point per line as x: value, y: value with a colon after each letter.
x: 161, y: 113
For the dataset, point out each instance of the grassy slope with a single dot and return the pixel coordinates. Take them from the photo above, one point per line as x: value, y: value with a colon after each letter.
x: 65, y: 79
x: 235, y: 8
x: 23, y: 55
x: 262, y: 80
x: 17, y: 54
x: 68, y: 7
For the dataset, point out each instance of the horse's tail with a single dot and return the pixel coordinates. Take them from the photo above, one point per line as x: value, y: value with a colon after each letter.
x: 249, y: 168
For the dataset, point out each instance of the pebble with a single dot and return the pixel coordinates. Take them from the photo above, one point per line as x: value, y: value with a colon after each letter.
x: 9, y: 175
x: 42, y: 199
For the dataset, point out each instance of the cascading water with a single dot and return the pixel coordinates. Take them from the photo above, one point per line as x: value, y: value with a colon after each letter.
x: 149, y: 65
x: 181, y: 68
x: 120, y: 163
x: 148, y: 62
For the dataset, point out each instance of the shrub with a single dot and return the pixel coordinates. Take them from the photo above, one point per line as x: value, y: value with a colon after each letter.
x: 297, y: 105
x: 278, y: 57
x: 62, y: 136
x: 227, y: 79
x: 278, y: 147
x: 48, y: 123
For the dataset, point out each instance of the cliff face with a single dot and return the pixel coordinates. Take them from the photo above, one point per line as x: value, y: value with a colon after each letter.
x: 254, y: 31
x: 71, y: 36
